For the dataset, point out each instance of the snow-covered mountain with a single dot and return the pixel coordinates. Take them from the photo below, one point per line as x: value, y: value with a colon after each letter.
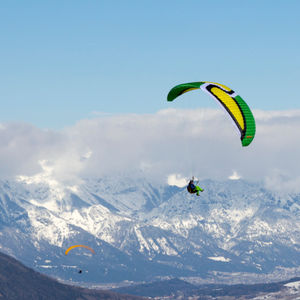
x: 142, y: 231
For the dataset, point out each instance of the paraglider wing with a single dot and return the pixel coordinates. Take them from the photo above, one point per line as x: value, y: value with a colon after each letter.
x: 233, y: 104
x: 75, y: 246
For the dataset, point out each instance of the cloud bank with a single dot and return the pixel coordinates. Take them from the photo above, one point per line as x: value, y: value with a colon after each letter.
x: 199, y: 142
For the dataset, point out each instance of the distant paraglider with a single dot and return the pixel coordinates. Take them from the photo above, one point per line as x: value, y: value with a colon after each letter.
x: 231, y: 101
x: 82, y: 246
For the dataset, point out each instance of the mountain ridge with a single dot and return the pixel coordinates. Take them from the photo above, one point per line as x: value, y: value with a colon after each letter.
x: 142, y: 231
x: 21, y: 283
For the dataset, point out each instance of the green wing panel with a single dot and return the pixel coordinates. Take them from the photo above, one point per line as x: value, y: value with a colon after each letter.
x: 183, y: 88
x: 249, y: 131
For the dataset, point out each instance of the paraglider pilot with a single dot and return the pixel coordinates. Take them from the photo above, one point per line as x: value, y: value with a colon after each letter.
x: 192, y: 188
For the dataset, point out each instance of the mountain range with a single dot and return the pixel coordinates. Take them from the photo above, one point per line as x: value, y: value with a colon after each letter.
x: 234, y: 232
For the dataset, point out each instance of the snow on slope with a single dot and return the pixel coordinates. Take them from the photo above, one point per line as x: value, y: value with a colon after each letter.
x: 234, y: 226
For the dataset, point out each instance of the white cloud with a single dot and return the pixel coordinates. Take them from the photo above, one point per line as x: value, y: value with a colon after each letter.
x: 234, y: 176
x: 283, y: 181
x: 201, y: 142
x: 177, y: 180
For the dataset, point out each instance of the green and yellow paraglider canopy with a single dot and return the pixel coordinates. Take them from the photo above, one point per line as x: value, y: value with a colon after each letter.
x: 233, y: 103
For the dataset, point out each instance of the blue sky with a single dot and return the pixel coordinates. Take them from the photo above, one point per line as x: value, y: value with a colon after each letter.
x: 64, y: 61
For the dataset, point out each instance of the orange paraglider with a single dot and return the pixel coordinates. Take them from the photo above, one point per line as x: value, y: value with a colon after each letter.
x: 82, y: 246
